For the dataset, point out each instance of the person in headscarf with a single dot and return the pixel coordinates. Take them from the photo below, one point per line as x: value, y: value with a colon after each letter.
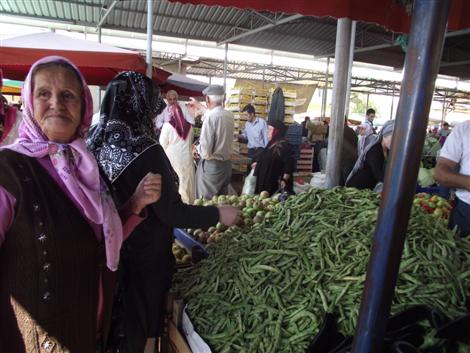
x: 125, y: 146
x: 176, y: 138
x: 369, y: 169
x: 276, y: 163
x: 60, y: 232
x: 366, y: 134
x: 10, y: 118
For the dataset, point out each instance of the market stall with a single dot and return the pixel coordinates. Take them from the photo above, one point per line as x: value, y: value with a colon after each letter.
x: 289, y: 277
x: 389, y: 243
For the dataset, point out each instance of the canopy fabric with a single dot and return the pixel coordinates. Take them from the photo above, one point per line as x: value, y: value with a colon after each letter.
x: 383, y: 12
x: 185, y: 86
x: 99, y: 63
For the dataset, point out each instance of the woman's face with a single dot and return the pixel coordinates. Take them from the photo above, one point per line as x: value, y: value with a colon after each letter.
x: 57, y: 103
x: 270, y: 132
x: 387, y: 142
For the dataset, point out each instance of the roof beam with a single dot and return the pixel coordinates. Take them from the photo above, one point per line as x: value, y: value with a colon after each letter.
x: 108, y: 11
x: 260, y: 29
x: 455, y: 63
x: 391, y: 45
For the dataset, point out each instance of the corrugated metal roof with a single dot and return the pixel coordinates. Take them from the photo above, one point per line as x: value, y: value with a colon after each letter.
x: 306, y: 35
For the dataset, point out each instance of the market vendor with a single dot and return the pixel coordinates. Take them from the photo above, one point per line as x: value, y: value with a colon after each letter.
x: 255, y: 131
x: 453, y: 170
x: 369, y: 169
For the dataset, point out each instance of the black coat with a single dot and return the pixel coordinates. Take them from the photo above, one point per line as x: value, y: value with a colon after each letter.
x: 147, y: 263
x: 271, y: 164
x: 372, y: 172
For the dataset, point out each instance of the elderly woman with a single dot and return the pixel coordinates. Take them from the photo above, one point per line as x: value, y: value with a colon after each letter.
x: 369, y: 169
x: 276, y: 163
x: 176, y: 138
x: 60, y: 233
x: 366, y: 134
x: 125, y: 146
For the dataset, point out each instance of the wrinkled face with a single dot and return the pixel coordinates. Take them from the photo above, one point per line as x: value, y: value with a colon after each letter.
x: 57, y: 103
x: 172, y: 99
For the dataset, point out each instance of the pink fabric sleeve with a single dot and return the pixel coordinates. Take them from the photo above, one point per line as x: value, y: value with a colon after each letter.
x: 7, y: 212
x: 130, y: 220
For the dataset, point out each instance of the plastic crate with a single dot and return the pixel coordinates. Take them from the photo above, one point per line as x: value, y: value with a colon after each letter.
x: 187, y: 241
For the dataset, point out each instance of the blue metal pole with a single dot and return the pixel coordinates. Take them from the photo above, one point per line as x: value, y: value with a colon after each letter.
x: 421, y: 67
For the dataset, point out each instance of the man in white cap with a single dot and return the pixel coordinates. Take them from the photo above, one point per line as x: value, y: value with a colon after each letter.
x: 214, y: 170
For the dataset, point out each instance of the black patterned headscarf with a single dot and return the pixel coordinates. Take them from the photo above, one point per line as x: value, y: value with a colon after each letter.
x: 126, y: 126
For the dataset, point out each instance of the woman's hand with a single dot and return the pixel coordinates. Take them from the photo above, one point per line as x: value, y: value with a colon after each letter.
x: 229, y: 215
x: 147, y: 192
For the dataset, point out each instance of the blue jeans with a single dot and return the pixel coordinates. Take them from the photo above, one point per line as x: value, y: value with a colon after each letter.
x: 460, y: 217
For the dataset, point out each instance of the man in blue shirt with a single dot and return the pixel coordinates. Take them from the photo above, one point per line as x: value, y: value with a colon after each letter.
x: 255, y: 131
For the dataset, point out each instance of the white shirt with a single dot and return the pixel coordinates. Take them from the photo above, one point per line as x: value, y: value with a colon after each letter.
x: 256, y: 133
x: 216, y: 140
x: 164, y: 116
x: 457, y: 149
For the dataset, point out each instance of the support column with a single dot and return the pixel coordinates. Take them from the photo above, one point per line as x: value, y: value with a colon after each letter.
x: 350, y: 66
x: 325, y: 89
x: 422, y: 61
x: 225, y: 66
x: 149, y: 60
x: 393, y: 101
x: 99, y: 88
x: 340, y: 81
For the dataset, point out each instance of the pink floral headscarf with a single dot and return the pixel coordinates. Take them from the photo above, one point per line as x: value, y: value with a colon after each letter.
x: 75, y: 165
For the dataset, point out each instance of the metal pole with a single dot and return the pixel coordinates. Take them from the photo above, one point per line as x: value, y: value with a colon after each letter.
x: 340, y: 81
x: 421, y: 66
x: 99, y: 88
x: 350, y: 66
x: 393, y: 99
x: 325, y: 89
x: 225, y: 66
x: 149, y: 37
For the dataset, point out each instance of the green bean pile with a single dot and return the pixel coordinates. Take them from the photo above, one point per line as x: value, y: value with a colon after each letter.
x: 268, y: 290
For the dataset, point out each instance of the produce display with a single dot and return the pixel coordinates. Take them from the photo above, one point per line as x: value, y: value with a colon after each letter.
x: 255, y: 209
x: 436, y: 206
x: 181, y: 255
x: 269, y: 289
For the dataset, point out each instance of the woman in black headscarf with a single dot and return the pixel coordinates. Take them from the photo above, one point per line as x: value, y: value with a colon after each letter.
x: 125, y: 147
x: 276, y: 163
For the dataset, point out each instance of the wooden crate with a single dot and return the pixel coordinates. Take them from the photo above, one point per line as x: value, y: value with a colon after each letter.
x: 305, y: 161
x: 172, y: 340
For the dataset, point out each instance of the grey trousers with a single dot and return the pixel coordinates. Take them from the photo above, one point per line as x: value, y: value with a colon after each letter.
x: 212, y: 178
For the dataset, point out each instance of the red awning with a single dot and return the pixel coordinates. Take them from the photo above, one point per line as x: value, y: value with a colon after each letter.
x: 383, y: 12
x: 98, y: 63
